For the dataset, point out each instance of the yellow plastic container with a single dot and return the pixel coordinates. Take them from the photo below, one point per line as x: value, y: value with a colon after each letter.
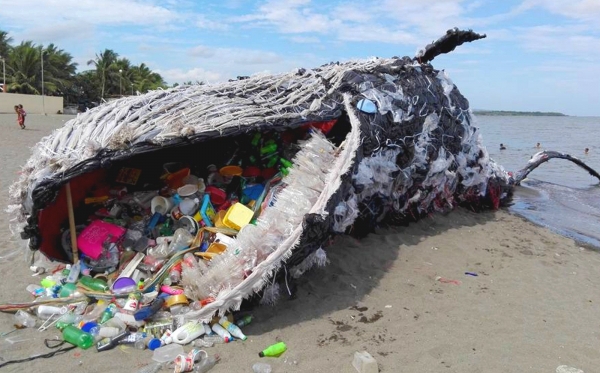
x: 238, y: 216
x: 219, y: 219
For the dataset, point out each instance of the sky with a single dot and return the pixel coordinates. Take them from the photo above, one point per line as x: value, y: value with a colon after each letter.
x: 539, y: 55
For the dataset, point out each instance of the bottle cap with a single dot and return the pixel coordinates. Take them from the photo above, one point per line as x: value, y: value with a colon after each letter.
x: 154, y: 343
x: 87, y: 327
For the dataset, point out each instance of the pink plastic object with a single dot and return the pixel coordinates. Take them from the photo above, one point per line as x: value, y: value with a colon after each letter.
x: 171, y: 291
x: 91, y: 238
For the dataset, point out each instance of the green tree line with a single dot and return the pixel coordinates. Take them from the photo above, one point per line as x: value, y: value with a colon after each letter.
x: 109, y: 75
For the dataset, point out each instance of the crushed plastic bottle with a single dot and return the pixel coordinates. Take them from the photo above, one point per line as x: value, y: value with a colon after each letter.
x: 206, y: 364
x: 151, y: 368
x: 262, y: 368
x: 25, y: 319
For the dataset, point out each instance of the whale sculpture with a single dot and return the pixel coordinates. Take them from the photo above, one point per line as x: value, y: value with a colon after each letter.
x: 390, y: 139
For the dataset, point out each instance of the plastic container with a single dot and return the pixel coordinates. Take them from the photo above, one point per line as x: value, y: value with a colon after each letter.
x: 25, y: 319
x: 364, y: 363
x: 77, y: 337
x: 167, y: 353
x: 151, y: 368
x: 238, y: 216
x: 217, y: 195
x: 206, y: 364
x: 188, y: 190
x: 187, y: 332
x: 161, y: 205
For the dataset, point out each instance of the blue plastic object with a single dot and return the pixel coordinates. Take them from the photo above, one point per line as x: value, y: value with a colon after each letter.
x: 207, y: 211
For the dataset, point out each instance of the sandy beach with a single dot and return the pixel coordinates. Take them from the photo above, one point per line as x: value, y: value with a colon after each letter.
x: 529, y: 302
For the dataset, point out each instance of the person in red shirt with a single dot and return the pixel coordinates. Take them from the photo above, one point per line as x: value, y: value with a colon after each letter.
x: 20, y: 117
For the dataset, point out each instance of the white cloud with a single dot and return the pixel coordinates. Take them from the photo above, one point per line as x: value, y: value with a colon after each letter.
x: 235, y: 55
x: 203, y: 22
x: 571, y: 40
x: 585, y: 10
x: 53, y: 32
x: 196, y: 74
x: 23, y: 13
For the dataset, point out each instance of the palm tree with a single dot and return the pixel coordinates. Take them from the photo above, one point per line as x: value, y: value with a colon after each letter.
x: 5, y: 41
x: 145, y: 79
x: 59, y: 70
x: 105, y: 63
x: 24, y: 65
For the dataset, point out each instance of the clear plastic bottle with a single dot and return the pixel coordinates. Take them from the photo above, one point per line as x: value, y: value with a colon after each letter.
x: 25, y: 319
x: 221, y: 331
x: 262, y: 368
x: 206, y: 364
x: 209, y: 341
x: 233, y: 329
x: 151, y: 368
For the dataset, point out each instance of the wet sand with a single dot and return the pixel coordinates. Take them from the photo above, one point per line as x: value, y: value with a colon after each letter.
x: 400, y: 293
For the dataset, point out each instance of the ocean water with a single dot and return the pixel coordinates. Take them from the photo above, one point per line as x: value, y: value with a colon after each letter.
x: 558, y: 194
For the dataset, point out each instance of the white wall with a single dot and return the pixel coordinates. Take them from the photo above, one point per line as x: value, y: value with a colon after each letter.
x: 31, y: 103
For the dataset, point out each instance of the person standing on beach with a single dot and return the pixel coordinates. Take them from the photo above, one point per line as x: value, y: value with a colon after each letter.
x: 23, y: 113
x: 20, y: 117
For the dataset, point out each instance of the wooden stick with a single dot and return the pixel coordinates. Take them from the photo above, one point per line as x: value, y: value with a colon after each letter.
x: 72, y: 224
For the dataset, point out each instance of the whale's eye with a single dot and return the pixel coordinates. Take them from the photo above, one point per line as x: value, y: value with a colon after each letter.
x: 366, y: 106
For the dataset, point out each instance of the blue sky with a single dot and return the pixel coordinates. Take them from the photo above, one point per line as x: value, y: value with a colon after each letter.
x: 539, y: 55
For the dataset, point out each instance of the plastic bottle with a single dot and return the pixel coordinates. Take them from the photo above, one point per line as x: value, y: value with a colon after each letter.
x: 142, y: 344
x: 95, y: 284
x: 188, y: 332
x: 273, y: 350
x: 241, y: 322
x: 132, y: 338
x: 108, y: 313
x: 74, y: 273
x: 217, y: 328
x: 110, y: 343
x: 152, y: 368
x: 233, y: 329
x: 206, y: 364
x: 181, y: 239
x: 45, y: 312
x: 149, y: 310
x: 25, y: 319
x: 262, y: 368
x: 175, y: 273
x: 35, y: 290
x: 77, y: 337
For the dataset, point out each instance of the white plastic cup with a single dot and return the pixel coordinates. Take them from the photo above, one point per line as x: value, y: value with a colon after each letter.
x: 161, y: 205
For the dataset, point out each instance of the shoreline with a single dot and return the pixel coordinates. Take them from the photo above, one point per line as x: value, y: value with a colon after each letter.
x: 400, y: 293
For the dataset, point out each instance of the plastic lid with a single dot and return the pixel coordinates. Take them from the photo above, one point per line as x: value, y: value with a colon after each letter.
x: 187, y: 190
x: 87, y: 327
x: 154, y: 343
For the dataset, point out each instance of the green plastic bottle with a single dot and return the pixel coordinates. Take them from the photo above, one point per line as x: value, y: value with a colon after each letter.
x: 273, y: 350
x: 77, y: 337
x: 93, y: 283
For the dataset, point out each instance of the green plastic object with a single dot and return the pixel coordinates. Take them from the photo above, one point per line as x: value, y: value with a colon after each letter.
x: 93, y: 283
x: 273, y: 350
x: 77, y: 337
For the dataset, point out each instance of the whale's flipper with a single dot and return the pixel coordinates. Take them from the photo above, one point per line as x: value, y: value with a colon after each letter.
x: 545, y: 156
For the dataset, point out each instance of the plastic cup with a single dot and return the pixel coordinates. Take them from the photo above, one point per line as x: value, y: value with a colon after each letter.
x: 161, y: 205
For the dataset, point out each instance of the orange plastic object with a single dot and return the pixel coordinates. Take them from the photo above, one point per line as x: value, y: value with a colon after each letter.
x: 175, y: 180
x: 231, y: 171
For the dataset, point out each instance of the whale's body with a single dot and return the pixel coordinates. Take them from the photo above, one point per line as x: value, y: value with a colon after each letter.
x: 403, y: 145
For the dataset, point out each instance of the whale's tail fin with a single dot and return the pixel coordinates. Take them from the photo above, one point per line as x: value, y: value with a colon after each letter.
x: 545, y: 156
x: 453, y: 38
